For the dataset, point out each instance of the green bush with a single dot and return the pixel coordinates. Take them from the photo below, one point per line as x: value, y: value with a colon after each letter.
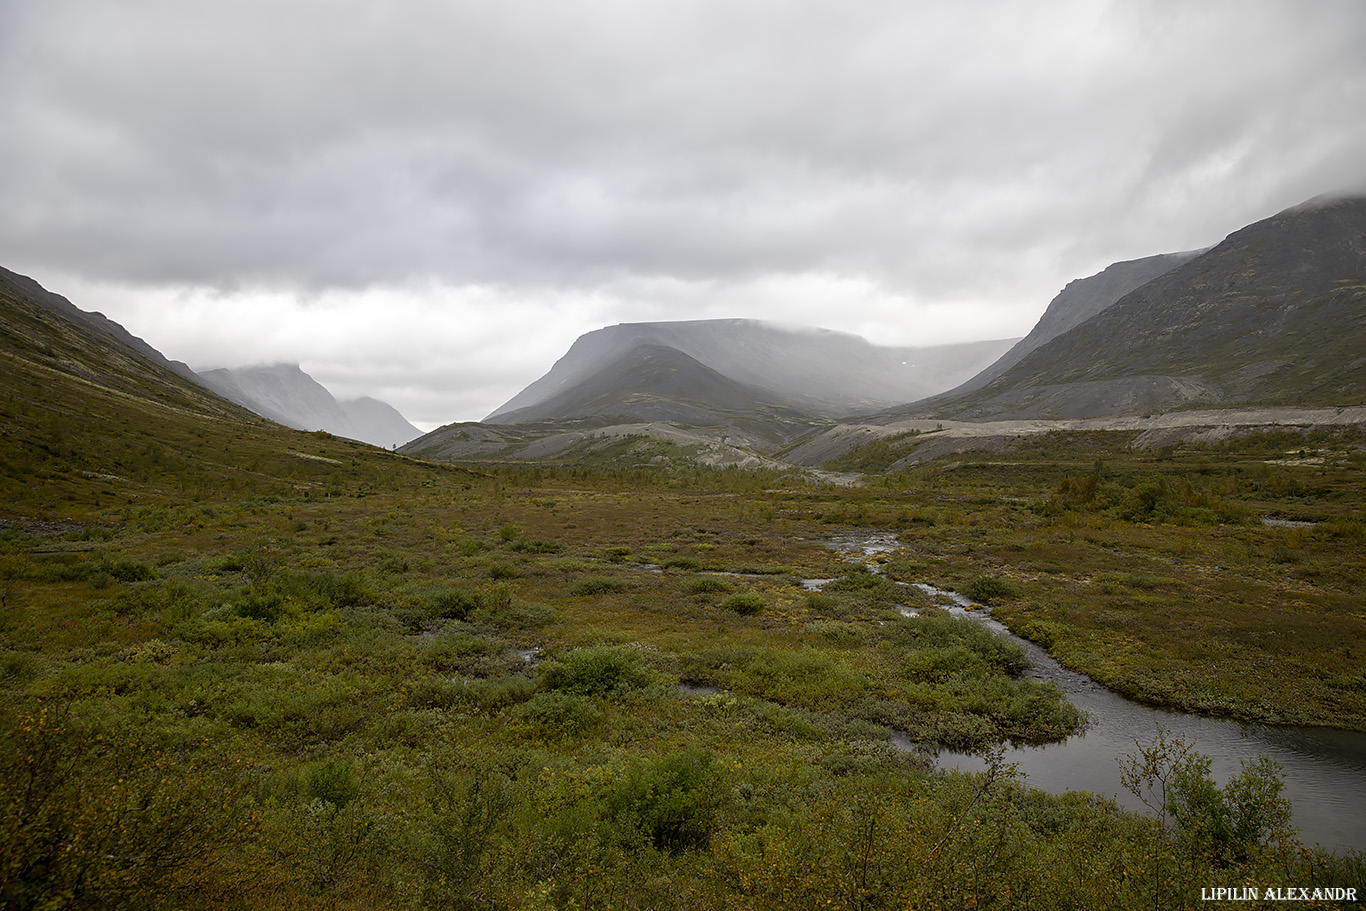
x: 671, y: 803
x: 745, y: 603
x: 709, y: 585
x: 492, y: 694
x: 500, y: 570
x: 266, y: 606
x: 599, y: 670
x: 515, y: 615
x: 432, y: 693
x: 991, y: 590
x: 933, y: 665
x: 1234, y: 823
x: 451, y: 604
x: 556, y: 713
x: 598, y: 585
x: 800, y: 678
x: 453, y: 651
x: 868, y: 585
x: 105, y: 567
x: 333, y: 780
x: 931, y: 631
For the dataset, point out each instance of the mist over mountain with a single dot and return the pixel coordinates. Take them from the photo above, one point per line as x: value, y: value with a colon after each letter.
x: 656, y: 383
x: 287, y: 395
x: 817, y: 371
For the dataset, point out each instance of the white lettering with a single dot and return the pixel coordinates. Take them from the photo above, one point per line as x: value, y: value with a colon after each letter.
x: 1277, y: 893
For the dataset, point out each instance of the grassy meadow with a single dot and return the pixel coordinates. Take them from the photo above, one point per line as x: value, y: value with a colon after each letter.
x: 252, y: 668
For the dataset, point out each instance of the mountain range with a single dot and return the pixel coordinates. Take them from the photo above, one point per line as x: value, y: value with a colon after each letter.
x: 814, y: 372
x: 1273, y: 317
x: 282, y: 393
x: 287, y: 395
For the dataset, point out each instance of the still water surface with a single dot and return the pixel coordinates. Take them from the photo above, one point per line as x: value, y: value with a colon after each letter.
x: 1325, y: 768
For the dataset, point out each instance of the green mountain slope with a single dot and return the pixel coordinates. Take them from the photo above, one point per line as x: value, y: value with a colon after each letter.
x: 658, y: 383
x: 91, y: 416
x: 1274, y: 315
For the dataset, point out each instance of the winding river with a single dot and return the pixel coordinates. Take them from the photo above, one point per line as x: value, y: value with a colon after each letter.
x: 1325, y: 768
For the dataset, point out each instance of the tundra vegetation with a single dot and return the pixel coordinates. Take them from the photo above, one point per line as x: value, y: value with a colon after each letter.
x: 249, y: 668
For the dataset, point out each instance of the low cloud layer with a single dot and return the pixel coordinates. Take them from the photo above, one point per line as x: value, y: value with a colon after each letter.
x: 428, y: 201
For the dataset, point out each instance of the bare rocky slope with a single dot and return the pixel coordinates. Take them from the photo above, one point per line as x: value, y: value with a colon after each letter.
x: 916, y: 440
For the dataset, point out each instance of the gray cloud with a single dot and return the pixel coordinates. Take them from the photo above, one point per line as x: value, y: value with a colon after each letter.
x: 979, y: 155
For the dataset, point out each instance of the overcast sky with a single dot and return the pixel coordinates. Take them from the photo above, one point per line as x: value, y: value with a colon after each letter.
x: 428, y: 201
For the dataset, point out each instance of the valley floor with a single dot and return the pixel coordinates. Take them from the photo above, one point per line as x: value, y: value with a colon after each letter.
x: 326, y: 676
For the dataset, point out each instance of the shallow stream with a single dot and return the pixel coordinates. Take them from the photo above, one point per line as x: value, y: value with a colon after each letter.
x: 1325, y: 768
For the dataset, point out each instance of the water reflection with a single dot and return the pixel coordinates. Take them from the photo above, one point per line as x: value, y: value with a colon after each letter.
x: 1325, y: 769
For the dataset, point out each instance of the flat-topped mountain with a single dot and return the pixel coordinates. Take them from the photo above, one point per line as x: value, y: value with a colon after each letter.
x: 815, y: 371
x: 656, y: 383
x: 1273, y: 315
x: 287, y: 395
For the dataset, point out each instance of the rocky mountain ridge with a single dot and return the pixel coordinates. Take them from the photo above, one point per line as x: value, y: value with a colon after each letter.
x: 1273, y: 315
x: 287, y: 395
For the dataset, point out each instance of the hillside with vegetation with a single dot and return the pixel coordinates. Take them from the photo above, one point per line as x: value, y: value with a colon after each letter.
x: 816, y: 372
x: 1275, y: 315
x: 244, y: 666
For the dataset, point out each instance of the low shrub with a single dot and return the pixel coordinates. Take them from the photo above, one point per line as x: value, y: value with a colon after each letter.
x: 451, y: 604
x: 790, y: 677
x: 672, y: 803
x: 590, y: 586
x: 515, y: 615
x: 535, y: 546
x: 492, y: 694
x: 454, y: 651
x: 500, y: 570
x: 599, y: 670
x: 556, y: 714
x: 991, y: 590
x: 745, y: 603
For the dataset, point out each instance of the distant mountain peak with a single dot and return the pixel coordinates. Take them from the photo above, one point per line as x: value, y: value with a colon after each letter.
x: 820, y: 371
x: 287, y: 395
